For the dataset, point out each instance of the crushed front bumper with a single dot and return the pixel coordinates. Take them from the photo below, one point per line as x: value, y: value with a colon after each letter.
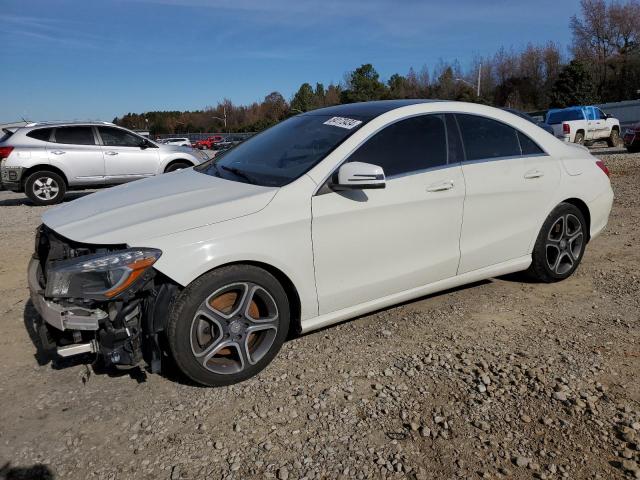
x: 62, y: 318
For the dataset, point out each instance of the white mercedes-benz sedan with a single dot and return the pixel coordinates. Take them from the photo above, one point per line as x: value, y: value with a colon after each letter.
x: 328, y: 215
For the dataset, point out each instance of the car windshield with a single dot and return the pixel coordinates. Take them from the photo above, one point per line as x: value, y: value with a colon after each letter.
x: 564, y: 116
x: 284, y: 152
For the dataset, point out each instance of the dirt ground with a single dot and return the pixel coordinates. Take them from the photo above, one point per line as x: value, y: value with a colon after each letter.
x: 501, y: 379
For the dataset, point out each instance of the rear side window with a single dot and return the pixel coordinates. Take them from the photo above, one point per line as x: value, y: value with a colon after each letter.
x: 487, y: 138
x: 74, y: 135
x: 528, y: 146
x: 114, y: 137
x: 43, y: 134
x: 410, y: 145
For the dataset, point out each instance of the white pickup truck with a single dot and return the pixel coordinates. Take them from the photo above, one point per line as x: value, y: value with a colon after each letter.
x: 584, y: 124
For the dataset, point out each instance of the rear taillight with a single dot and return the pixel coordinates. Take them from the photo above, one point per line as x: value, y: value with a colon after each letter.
x: 566, y: 128
x: 603, y: 167
x: 5, y: 152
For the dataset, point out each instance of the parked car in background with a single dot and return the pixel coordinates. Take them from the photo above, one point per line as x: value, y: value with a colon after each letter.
x: 181, y: 141
x: 584, y: 125
x: 44, y: 160
x: 631, y: 138
x: 230, y: 141
x: 208, y: 143
x: 528, y: 117
x: 326, y: 216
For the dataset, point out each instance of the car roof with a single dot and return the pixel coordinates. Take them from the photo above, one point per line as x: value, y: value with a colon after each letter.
x: 59, y: 123
x: 367, y: 110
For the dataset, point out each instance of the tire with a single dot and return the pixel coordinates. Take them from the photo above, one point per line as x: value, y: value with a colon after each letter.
x: 180, y: 165
x: 579, y: 138
x: 558, y: 251
x: 228, y: 325
x: 45, y: 188
x: 633, y: 148
x: 614, y: 138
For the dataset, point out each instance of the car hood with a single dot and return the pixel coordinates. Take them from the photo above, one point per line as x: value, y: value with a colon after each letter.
x: 156, y: 206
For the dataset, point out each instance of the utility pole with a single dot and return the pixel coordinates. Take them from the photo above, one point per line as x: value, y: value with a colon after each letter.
x: 479, y: 77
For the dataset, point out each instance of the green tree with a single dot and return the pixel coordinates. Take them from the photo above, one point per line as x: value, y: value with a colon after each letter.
x: 573, y: 87
x: 363, y: 84
x: 304, y: 99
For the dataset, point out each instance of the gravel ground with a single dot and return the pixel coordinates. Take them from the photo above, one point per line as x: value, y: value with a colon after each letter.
x: 501, y: 379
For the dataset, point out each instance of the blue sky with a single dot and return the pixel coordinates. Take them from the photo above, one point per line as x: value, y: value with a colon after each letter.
x: 96, y: 59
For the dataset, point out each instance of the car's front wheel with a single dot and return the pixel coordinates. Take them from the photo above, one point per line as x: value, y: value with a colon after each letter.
x: 228, y: 325
x: 614, y: 138
x: 45, y: 188
x: 560, y: 244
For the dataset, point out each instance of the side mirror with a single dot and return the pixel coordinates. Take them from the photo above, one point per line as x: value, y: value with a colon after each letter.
x: 359, y: 176
x: 144, y: 144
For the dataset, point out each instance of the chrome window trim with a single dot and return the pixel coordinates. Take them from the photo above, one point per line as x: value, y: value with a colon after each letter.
x: 509, y: 157
x: 322, y: 184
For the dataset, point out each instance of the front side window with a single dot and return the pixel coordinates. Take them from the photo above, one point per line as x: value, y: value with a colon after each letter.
x: 115, y: 137
x: 74, y: 135
x: 407, y: 146
x: 485, y: 138
x: 284, y: 152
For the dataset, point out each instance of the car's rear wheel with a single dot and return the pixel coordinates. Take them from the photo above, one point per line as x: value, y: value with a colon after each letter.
x: 579, y: 139
x: 560, y: 244
x: 614, y: 138
x: 177, y: 166
x: 228, y: 325
x: 45, y: 188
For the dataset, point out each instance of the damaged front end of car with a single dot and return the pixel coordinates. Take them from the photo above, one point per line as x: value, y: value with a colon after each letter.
x: 101, y: 299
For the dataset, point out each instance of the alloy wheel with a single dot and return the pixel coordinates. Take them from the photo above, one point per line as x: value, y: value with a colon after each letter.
x: 234, y: 328
x: 45, y: 188
x: 564, y: 244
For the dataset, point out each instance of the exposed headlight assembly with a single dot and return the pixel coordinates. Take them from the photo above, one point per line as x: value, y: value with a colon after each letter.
x: 99, y: 276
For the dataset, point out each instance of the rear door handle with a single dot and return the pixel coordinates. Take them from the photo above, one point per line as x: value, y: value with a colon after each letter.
x: 110, y: 152
x: 441, y: 187
x: 58, y: 152
x: 533, y: 174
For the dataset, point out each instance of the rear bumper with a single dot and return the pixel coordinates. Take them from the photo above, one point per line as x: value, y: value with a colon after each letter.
x: 600, y: 208
x: 11, y: 178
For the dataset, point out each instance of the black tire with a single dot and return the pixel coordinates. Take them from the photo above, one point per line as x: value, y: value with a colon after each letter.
x: 196, y: 330
x: 579, y: 138
x: 45, y: 188
x: 614, y: 138
x: 633, y: 148
x: 177, y: 166
x: 555, y: 255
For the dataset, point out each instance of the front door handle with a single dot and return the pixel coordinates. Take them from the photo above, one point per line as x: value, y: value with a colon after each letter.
x: 110, y: 152
x: 58, y: 152
x: 440, y: 187
x: 533, y: 174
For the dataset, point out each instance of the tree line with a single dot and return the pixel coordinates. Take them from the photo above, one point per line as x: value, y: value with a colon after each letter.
x: 601, y: 65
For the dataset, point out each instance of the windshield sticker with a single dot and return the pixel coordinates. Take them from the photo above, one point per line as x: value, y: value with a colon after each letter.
x: 343, y: 122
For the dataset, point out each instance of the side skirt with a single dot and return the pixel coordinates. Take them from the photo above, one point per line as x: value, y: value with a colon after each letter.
x: 511, y: 266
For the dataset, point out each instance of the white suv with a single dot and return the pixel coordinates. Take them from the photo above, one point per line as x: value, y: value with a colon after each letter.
x: 44, y: 160
x: 181, y: 141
